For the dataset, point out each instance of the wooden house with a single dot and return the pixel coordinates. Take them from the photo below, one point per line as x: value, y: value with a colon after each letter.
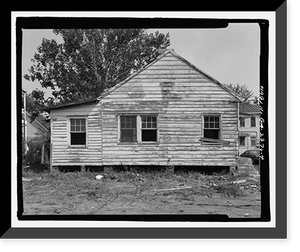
x: 249, y: 128
x: 170, y: 113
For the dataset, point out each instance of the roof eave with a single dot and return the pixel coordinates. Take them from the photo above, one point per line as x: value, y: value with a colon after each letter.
x: 47, y: 109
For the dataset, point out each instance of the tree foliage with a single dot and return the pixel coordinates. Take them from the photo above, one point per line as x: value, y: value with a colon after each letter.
x: 242, y: 90
x: 91, y: 60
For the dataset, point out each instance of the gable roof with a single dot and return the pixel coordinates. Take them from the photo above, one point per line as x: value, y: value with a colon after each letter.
x: 167, y: 51
x: 40, y: 120
x: 247, y: 108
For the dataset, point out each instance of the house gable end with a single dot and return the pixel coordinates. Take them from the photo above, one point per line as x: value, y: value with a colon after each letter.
x: 169, y: 69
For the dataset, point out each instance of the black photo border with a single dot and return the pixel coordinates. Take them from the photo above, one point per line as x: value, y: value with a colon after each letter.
x: 280, y: 231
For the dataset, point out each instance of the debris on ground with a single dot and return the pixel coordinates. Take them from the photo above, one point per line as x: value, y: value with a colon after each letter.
x: 173, y: 189
x: 239, y: 181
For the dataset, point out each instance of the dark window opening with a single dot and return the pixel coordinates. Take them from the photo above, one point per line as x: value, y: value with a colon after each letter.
x: 242, y: 141
x: 213, y: 134
x: 149, y: 135
x: 253, y: 122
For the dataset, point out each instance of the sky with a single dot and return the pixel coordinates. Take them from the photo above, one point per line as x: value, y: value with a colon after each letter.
x: 230, y: 55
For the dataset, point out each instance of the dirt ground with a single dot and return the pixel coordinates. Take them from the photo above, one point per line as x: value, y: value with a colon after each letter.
x: 136, y: 192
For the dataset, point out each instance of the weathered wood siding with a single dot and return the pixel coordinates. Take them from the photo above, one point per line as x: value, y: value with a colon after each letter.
x: 180, y: 95
x: 62, y: 152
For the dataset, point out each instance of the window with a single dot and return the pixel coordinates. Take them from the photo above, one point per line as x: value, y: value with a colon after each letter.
x: 149, y: 129
x: 253, y: 141
x: 242, y: 122
x: 212, y: 127
x: 128, y: 129
x: 253, y: 122
x: 242, y: 141
x: 78, y: 131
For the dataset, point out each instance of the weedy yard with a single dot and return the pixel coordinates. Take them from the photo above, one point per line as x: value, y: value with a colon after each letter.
x: 140, y: 192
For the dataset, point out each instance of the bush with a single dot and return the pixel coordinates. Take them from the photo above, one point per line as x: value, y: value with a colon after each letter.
x: 33, y: 155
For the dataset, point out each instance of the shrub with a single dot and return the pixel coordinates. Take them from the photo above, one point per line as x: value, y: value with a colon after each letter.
x: 33, y: 155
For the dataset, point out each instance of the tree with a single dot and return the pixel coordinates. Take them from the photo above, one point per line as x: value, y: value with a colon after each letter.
x: 241, y: 90
x: 91, y: 60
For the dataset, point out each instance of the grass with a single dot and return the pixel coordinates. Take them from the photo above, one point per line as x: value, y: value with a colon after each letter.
x: 78, y: 182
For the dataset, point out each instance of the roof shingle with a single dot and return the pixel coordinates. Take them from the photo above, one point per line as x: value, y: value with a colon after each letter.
x: 249, y: 108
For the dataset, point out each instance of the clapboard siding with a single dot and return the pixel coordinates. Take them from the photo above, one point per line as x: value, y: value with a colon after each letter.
x: 170, y: 88
x: 62, y: 152
x: 180, y: 96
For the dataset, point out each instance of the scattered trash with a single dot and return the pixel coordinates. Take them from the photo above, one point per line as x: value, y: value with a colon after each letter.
x: 205, y: 186
x: 229, y: 203
x: 99, y: 177
x: 173, y: 189
x: 239, y: 181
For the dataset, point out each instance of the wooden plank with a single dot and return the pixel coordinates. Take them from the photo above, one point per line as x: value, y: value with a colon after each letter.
x: 166, y: 62
x: 156, y: 81
x: 177, y: 71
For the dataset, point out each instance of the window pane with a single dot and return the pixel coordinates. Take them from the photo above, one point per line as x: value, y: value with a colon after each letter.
x: 78, y: 138
x: 217, y: 125
x: 148, y: 125
x: 154, y: 125
x: 77, y: 125
x: 122, y: 124
x: 211, y: 118
x: 144, y: 125
x: 133, y: 122
x: 128, y: 135
x: 211, y: 133
x: 206, y: 125
x: 216, y: 119
x: 253, y: 123
x: 149, y: 135
x: 211, y: 125
x: 144, y: 119
x: 205, y: 118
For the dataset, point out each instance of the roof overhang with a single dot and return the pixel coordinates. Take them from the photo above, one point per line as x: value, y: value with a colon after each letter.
x: 60, y: 106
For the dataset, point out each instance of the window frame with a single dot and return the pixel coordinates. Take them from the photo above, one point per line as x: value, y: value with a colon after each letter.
x: 119, y: 128
x: 141, y: 128
x: 69, y: 132
x: 253, y: 138
x: 213, y: 140
x: 244, y: 122
x: 138, y: 128
x: 244, y: 141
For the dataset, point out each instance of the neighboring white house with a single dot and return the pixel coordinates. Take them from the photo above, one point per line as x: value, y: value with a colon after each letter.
x: 248, y: 127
